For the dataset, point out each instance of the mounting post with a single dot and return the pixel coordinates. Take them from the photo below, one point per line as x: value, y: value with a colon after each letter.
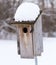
x: 36, y: 62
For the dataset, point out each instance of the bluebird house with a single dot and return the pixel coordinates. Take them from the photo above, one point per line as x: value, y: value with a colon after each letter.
x: 29, y: 30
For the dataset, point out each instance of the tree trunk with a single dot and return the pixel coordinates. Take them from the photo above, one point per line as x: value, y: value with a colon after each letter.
x: 28, y: 0
x: 41, y: 4
x: 20, y: 1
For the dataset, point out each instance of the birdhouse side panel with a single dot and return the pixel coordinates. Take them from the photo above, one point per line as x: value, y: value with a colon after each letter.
x: 25, y: 39
x: 37, y: 37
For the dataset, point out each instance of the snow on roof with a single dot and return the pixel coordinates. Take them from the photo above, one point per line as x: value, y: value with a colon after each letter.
x: 27, y: 12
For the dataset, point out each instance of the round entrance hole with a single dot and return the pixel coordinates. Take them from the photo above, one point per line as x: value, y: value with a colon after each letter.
x: 25, y: 30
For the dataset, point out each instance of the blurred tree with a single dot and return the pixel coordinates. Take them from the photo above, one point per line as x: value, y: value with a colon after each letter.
x: 8, y: 8
x: 20, y: 1
x: 4, y: 10
x: 41, y: 4
x: 52, y: 3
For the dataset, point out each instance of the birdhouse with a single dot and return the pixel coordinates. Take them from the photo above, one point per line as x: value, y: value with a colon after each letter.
x: 29, y: 30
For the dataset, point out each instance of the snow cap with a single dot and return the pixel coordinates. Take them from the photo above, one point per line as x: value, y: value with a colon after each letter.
x: 27, y: 12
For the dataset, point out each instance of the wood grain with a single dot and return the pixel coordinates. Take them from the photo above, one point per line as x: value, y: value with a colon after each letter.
x: 37, y: 37
x: 25, y: 39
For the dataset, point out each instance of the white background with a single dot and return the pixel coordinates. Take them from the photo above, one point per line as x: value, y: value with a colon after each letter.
x: 9, y: 56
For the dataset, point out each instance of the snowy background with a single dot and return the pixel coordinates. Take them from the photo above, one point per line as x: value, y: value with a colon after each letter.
x: 8, y: 9
x: 9, y: 56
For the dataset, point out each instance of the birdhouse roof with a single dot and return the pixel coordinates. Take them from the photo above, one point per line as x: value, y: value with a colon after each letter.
x: 27, y: 12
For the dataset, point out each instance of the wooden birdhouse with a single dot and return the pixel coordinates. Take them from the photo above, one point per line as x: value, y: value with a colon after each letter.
x: 29, y: 30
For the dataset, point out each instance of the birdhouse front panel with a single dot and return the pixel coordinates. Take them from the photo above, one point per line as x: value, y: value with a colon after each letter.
x: 25, y: 39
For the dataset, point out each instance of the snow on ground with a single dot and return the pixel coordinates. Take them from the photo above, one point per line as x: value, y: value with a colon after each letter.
x: 49, y: 55
x: 27, y: 12
x: 9, y: 56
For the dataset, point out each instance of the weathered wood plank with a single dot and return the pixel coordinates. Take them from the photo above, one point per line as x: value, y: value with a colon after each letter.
x: 37, y: 37
x: 25, y: 39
